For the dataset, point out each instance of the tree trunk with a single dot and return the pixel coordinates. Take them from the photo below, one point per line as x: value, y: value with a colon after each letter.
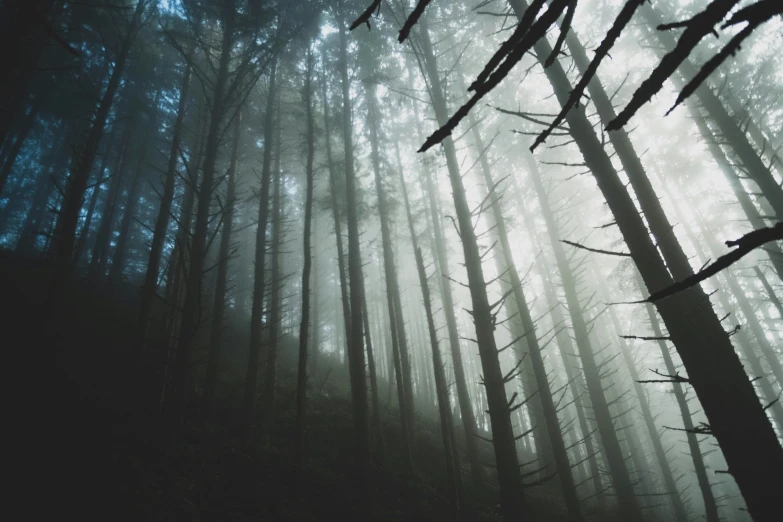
x: 269, y: 393
x: 338, y: 234
x: 191, y: 307
x: 512, y: 500
x: 85, y: 244
x: 162, y: 221
x: 770, y: 292
x: 618, y: 471
x: 463, y: 396
x: 444, y: 405
x: 566, y: 347
x: 100, y: 252
x: 710, y: 505
x: 259, y: 276
x: 118, y: 263
x: 376, y: 409
x: 649, y: 421
x: 748, y: 207
x: 355, y: 349
x: 397, y: 323
x: 549, y: 441
x: 301, y: 377
x: 224, y: 255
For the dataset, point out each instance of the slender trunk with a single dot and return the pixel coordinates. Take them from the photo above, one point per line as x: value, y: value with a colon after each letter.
x: 338, y: 234
x: 566, y: 347
x: 710, y: 505
x: 376, y: 409
x: 441, y: 388
x: 84, y: 243
x: 549, y: 442
x: 118, y: 263
x: 301, y: 378
x: 100, y: 252
x: 649, y: 421
x: 444, y: 405
x: 275, y: 299
x: 123, y: 236
x: 259, y: 271
x: 512, y: 499
x: 355, y: 350
x: 180, y: 255
x: 224, y: 255
x: 759, y: 136
x: 770, y: 292
x: 618, y: 471
x: 191, y: 307
x: 397, y: 323
x: 463, y: 396
x: 315, y: 338
x: 164, y: 211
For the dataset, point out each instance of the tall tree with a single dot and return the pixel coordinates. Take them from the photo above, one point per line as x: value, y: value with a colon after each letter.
x: 304, y: 325
x: 224, y: 255
x: 513, y: 503
x: 356, y: 336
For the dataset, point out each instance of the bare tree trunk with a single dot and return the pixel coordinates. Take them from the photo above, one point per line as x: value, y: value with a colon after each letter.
x: 441, y: 388
x: 275, y: 299
x: 620, y: 477
x: 660, y: 454
x: 120, y: 255
x: 100, y: 252
x: 463, y: 396
x: 84, y: 243
x: 162, y: 221
x: 512, y: 500
x: 567, y: 353
x: 770, y: 292
x: 376, y: 408
x: 710, y: 505
x: 396, y: 320
x: 355, y: 349
x: 259, y: 281
x: 191, y: 307
x: 338, y: 234
x: 444, y: 405
x: 224, y: 255
x: 301, y: 378
x: 549, y: 442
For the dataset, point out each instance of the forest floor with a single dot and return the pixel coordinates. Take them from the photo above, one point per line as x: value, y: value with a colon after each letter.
x: 95, y: 441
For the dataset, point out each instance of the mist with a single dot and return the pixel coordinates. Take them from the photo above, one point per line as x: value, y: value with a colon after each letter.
x: 392, y: 260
